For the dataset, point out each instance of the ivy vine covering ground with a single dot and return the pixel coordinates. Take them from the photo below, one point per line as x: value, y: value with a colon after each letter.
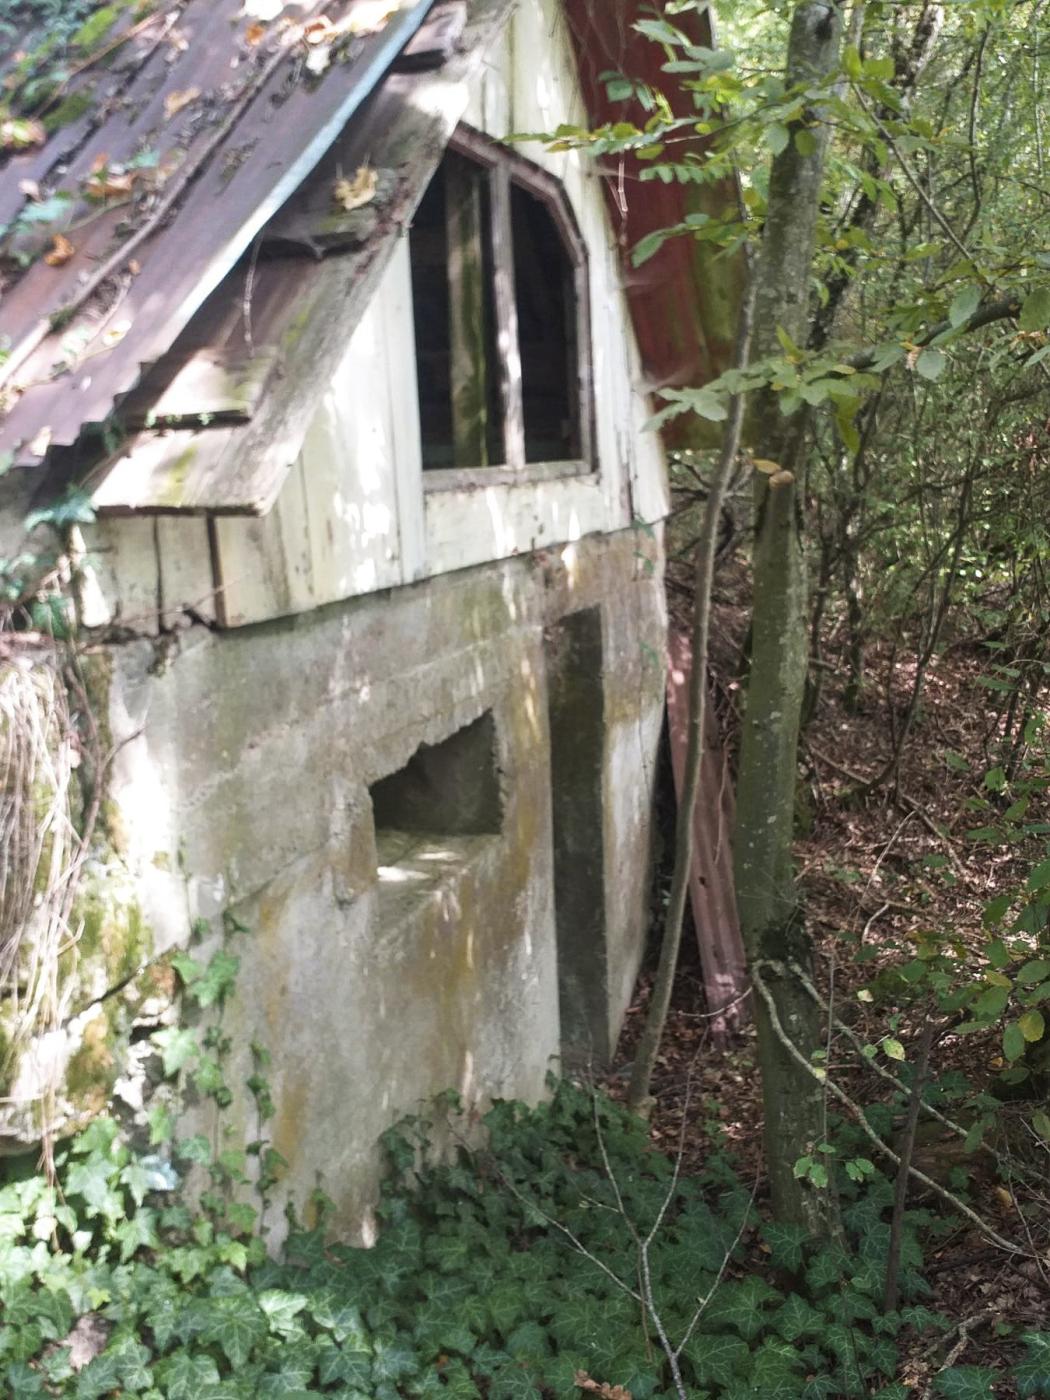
x: 475, y: 1288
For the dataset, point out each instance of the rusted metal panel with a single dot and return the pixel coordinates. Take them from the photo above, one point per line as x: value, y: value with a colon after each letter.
x: 682, y: 321
x: 712, y: 895
x: 191, y: 152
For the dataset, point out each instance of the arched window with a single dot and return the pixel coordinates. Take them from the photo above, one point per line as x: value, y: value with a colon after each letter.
x: 500, y: 297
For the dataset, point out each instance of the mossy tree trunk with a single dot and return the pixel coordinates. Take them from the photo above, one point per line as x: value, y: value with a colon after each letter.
x: 770, y: 912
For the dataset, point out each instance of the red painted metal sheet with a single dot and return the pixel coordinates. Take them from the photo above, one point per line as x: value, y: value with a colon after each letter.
x: 677, y: 341
x: 712, y: 896
x: 217, y: 120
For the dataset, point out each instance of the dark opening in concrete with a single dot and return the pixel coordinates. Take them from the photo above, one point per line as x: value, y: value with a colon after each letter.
x: 434, y: 819
x: 446, y: 789
x: 577, y: 730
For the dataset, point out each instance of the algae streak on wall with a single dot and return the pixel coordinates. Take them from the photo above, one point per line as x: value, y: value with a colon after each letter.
x: 72, y: 935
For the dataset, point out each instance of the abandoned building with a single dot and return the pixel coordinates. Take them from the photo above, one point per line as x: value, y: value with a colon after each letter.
x: 372, y: 597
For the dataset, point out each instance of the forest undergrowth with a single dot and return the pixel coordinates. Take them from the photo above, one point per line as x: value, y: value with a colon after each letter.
x: 886, y: 876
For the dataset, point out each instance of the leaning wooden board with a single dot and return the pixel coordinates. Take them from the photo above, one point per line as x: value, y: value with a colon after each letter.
x: 712, y: 896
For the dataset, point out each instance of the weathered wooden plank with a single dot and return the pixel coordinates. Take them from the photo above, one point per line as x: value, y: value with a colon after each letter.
x: 334, y: 531
x: 187, y: 389
x: 437, y: 40
x: 187, y: 584
x: 465, y: 230
x: 124, y: 588
x: 507, y: 322
x: 712, y: 895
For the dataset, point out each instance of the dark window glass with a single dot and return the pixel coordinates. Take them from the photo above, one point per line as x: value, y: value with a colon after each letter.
x: 455, y: 322
x: 545, y: 295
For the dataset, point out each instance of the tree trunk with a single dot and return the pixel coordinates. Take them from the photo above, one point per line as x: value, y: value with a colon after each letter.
x: 770, y: 916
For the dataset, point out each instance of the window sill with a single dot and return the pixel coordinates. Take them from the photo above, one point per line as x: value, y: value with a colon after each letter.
x: 460, y: 478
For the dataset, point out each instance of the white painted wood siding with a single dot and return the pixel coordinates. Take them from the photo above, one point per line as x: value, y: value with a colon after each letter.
x: 353, y: 516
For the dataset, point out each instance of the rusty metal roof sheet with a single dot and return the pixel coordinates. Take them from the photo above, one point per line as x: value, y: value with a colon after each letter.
x: 173, y: 140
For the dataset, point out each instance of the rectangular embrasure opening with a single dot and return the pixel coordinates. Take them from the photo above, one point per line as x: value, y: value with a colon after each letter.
x: 438, y: 812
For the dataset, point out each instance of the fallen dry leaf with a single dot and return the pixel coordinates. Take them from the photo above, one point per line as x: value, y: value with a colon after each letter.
x: 318, y: 59
x: 255, y: 33
x: 16, y: 133
x: 30, y: 189
x: 352, y: 194
x: 38, y: 447
x: 319, y: 31
x: 607, y: 1392
x: 175, y: 101
x: 61, y: 252
x: 109, y: 184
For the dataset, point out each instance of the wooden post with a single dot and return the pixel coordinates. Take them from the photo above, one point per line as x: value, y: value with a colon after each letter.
x: 468, y: 368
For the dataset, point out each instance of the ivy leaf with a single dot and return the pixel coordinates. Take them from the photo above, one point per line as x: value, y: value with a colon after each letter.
x: 787, y: 1244
x: 237, y: 1325
x: 797, y: 1319
x: 184, y: 1375
x: 718, y: 1359
x: 1032, y: 1373
x: 177, y: 1047
x: 219, y: 976
x: 281, y: 1309
x: 513, y: 1383
x: 966, y: 1383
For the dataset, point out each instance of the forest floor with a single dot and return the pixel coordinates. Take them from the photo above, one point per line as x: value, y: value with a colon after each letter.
x: 877, y: 872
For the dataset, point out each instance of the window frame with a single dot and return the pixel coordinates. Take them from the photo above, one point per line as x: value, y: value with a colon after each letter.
x: 507, y: 168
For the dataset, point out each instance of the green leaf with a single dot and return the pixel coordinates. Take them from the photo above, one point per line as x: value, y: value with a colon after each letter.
x: 931, y: 364
x: 1035, y: 313
x: 1032, y: 1373
x: 177, y: 1047
x: 805, y: 142
x: 237, y: 1325
x: 717, y: 1360
x: 1040, y: 876
x: 964, y: 304
x: 1032, y: 1026
x: 1041, y: 1123
x: 893, y: 1048
x: 796, y: 1319
x: 184, y: 1374
x: 217, y: 979
x: 1013, y: 1042
x: 777, y: 137
x: 281, y: 1309
x: 966, y: 1383
x: 787, y: 1244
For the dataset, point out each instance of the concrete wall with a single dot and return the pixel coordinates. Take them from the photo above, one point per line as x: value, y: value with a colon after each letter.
x: 380, y: 978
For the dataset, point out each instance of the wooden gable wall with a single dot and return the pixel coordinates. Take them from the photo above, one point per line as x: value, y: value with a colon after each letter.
x: 358, y: 513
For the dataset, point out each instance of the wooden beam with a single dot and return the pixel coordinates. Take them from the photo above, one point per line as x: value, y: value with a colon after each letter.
x: 468, y: 343
x: 508, y: 348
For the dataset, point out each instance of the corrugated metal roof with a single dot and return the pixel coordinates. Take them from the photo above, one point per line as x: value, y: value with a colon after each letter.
x: 188, y: 127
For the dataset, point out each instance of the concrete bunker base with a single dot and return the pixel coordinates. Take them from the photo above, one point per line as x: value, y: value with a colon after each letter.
x: 389, y: 799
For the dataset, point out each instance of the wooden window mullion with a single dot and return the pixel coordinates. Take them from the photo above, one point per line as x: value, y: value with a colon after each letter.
x: 507, y: 320
x: 468, y: 370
